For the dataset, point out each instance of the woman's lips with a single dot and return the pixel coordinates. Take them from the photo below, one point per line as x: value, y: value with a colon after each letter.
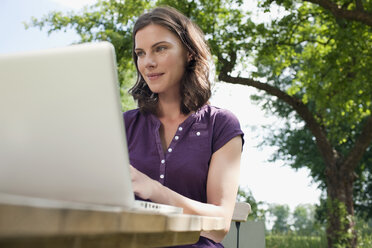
x: 154, y: 76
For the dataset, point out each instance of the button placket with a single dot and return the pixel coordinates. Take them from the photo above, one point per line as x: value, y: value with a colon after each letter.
x: 176, y: 138
x: 170, y: 149
x: 162, y: 170
x: 161, y: 153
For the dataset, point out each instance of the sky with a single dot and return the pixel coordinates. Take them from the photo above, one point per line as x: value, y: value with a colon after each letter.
x: 269, y: 182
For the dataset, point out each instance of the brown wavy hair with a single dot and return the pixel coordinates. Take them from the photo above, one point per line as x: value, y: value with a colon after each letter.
x: 195, y: 85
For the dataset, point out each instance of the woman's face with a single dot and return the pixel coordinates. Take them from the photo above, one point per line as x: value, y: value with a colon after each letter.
x: 161, y: 58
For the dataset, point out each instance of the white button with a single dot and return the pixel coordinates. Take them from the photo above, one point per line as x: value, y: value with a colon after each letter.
x: 176, y: 137
x: 162, y: 161
x: 180, y: 128
x: 198, y: 134
x: 161, y: 176
x: 170, y: 150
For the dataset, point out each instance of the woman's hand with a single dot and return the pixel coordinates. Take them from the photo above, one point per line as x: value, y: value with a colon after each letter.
x: 143, y: 186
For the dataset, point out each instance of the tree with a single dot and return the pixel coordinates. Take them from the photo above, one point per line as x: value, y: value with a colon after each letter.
x: 297, y: 147
x: 319, y: 65
x: 304, y: 221
x: 257, y: 212
x: 313, y: 64
x: 281, y: 214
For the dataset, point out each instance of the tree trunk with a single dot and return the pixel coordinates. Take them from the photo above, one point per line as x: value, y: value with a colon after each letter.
x: 340, y: 222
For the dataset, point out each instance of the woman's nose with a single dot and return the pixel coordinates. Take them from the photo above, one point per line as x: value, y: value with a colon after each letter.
x: 150, y: 61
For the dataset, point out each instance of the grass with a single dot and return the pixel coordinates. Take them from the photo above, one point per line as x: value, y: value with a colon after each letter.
x: 295, y: 241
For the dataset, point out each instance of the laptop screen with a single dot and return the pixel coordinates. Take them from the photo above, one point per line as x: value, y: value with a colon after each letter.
x: 61, y: 134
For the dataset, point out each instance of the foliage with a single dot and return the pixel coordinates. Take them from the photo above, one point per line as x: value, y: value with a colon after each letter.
x: 127, y: 77
x: 324, y: 62
x: 297, y: 146
x: 341, y: 238
x: 363, y: 187
x: 257, y: 211
x: 321, y: 61
x: 303, y: 217
x: 302, y: 221
x: 364, y: 230
x: 295, y: 241
x: 281, y: 214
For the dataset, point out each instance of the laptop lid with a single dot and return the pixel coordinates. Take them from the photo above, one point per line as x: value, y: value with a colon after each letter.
x: 61, y: 127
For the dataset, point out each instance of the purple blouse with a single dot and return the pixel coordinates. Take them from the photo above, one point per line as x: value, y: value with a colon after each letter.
x: 184, y: 166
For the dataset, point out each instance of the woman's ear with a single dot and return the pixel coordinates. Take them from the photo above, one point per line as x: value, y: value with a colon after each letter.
x: 189, y: 57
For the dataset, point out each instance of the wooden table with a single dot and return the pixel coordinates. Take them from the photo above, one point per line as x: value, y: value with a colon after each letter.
x: 27, y: 226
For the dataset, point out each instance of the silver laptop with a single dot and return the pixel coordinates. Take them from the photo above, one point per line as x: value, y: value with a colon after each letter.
x: 62, y: 136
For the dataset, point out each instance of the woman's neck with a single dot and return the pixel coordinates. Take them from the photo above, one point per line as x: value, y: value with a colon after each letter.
x: 169, y: 107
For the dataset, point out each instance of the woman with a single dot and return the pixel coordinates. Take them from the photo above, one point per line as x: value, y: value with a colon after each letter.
x: 184, y: 152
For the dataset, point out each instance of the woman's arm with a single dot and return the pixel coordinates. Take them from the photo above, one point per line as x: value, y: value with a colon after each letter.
x: 222, y: 187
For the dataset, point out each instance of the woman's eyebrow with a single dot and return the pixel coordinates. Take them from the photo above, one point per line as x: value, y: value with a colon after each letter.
x: 154, y: 45
x: 157, y: 43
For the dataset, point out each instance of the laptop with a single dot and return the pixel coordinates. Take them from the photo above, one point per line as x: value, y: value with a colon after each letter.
x: 62, y: 135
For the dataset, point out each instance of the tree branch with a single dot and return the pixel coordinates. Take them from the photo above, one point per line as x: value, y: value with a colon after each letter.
x: 322, y: 142
x: 362, y: 143
x: 358, y: 15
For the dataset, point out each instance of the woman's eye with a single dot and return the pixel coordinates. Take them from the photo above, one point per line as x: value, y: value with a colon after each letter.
x: 139, y: 54
x: 160, y: 48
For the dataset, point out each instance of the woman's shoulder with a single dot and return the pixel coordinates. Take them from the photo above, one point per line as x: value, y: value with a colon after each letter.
x: 224, y: 123
x: 221, y: 118
x: 136, y: 117
x: 131, y: 117
x: 217, y: 113
x: 130, y: 114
